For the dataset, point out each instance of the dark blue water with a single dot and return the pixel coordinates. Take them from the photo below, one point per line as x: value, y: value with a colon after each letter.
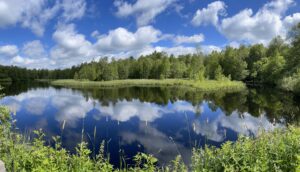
x: 164, y: 122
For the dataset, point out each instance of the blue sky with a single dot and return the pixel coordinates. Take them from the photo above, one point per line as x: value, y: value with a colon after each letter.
x: 61, y: 33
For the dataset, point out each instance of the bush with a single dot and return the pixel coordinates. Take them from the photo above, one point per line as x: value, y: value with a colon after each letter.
x: 275, y: 151
x: 291, y: 83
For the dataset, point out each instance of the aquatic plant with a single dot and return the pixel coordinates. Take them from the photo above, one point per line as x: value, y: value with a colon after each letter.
x: 205, y: 85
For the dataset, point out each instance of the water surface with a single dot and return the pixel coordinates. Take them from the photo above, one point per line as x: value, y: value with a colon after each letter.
x: 164, y: 122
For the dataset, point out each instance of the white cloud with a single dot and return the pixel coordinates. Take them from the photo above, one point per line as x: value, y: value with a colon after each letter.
x: 32, y: 14
x: 95, y: 34
x: 259, y: 27
x: 125, y: 110
x: 71, y: 47
x: 189, y: 39
x: 8, y: 51
x: 73, y: 9
x: 20, y: 60
x: 36, y: 105
x: 164, y: 148
x: 209, y: 15
x: 278, y: 6
x: 121, y: 39
x: 32, y: 55
x: 145, y: 11
x: 246, y: 125
x: 35, y: 14
x: 179, y: 50
x: 34, y: 49
x: 291, y: 20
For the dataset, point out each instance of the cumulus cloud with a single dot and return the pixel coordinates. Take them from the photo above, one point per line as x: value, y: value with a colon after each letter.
x: 31, y: 55
x: 21, y: 60
x: 189, y: 39
x: 246, y: 125
x: 36, y: 105
x: 35, y: 14
x: 121, y: 39
x: 145, y: 11
x: 8, y: 51
x: 181, y: 50
x: 291, y: 20
x: 34, y: 49
x: 255, y: 28
x: 73, y: 9
x: 164, y: 148
x: 209, y: 15
x: 125, y: 110
x: 71, y: 47
x: 246, y: 25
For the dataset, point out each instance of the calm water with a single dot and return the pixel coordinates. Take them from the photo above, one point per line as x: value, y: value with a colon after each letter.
x: 164, y: 122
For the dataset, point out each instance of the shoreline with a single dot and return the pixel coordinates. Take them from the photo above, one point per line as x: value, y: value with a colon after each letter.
x: 206, y: 85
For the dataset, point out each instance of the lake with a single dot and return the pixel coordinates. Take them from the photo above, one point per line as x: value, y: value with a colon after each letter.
x: 163, y: 121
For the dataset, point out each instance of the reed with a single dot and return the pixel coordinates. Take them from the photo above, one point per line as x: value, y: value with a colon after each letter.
x: 205, y: 85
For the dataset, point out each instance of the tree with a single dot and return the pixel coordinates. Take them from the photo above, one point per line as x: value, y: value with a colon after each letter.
x: 123, y: 70
x: 164, y: 68
x: 212, y: 63
x: 76, y: 76
x: 293, y: 58
x: 277, y: 46
x: 256, y: 53
x: 234, y: 64
x: 177, y: 69
x: 219, y: 76
x: 270, y: 69
x: 196, y: 68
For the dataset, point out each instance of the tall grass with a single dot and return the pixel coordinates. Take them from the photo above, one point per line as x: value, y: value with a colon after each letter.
x: 275, y: 151
x: 205, y: 85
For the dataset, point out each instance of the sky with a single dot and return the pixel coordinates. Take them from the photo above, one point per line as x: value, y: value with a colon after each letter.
x: 61, y: 33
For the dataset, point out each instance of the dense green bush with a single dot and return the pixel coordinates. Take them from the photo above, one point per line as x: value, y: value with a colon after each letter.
x: 275, y: 151
x: 291, y: 83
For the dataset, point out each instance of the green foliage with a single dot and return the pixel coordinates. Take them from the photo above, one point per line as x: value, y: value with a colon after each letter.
x: 276, y: 151
x: 256, y: 53
x: 291, y: 83
x: 212, y: 64
x: 219, y: 76
x: 234, y: 64
x: 223, y: 84
x: 270, y: 68
x: 293, y: 57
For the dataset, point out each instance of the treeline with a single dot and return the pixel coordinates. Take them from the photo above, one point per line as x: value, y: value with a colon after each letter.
x: 275, y: 64
x: 14, y: 73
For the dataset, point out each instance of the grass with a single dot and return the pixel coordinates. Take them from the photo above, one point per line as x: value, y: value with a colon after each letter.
x: 207, y: 85
x: 271, y: 151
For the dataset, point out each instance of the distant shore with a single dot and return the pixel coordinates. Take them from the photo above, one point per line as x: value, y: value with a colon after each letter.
x: 206, y: 85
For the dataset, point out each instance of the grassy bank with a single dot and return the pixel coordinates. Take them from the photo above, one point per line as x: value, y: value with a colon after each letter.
x: 207, y: 85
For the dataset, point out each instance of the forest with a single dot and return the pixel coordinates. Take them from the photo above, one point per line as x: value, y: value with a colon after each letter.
x: 277, y: 64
